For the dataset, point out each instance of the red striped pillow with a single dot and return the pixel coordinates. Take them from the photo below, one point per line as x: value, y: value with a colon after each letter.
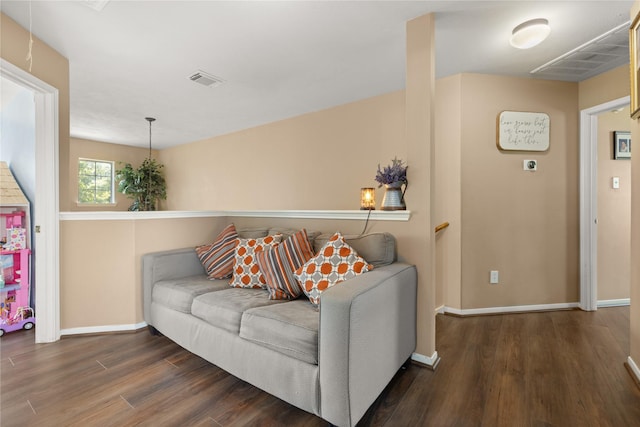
x: 217, y: 258
x: 279, y: 264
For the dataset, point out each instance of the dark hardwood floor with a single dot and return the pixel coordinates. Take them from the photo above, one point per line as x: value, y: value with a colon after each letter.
x: 562, y: 368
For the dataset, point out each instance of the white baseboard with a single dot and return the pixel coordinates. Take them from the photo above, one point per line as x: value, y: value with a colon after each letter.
x: 103, y: 329
x: 614, y: 302
x: 634, y: 368
x: 431, y: 362
x: 510, y: 309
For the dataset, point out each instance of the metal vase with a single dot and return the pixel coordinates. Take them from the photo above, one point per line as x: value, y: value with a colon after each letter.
x: 393, y: 199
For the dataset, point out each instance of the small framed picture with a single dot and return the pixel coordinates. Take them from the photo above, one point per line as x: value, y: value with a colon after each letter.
x: 621, y: 145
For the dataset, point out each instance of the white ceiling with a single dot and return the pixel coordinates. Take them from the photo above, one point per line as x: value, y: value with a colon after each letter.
x: 278, y: 59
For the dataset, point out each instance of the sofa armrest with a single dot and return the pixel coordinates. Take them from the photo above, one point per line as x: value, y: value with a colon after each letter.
x: 166, y: 265
x: 367, y: 331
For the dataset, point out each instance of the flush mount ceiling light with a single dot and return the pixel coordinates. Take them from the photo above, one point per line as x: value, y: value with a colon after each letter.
x: 530, y: 33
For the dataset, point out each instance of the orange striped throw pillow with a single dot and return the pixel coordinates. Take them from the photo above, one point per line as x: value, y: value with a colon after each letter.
x: 279, y: 264
x: 335, y: 262
x: 246, y: 273
x: 217, y: 258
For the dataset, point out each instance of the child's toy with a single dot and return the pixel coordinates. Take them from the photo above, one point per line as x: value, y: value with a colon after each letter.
x: 23, y: 319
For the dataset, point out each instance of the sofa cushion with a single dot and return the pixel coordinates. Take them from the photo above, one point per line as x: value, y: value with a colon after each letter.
x: 287, y: 232
x: 178, y: 294
x: 290, y: 328
x: 253, y: 232
x: 334, y: 263
x: 278, y: 265
x: 224, y: 308
x: 246, y: 272
x: 377, y: 248
x: 217, y: 258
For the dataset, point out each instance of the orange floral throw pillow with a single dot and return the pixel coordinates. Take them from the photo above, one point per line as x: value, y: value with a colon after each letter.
x: 335, y: 262
x: 246, y: 272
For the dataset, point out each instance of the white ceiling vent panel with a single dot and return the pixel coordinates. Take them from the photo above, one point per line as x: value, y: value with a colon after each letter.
x: 601, y: 54
x: 205, y: 79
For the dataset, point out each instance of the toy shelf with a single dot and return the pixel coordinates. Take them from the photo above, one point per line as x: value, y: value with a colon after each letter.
x: 15, y: 272
x: 15, y: 255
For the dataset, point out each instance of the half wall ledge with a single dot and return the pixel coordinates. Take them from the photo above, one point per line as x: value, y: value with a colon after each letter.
x: 310, y: 214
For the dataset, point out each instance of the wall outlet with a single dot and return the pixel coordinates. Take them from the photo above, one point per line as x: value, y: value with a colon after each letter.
x: 493, y: 277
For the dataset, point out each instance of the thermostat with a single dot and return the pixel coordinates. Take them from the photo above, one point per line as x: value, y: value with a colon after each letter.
x: 530, y: 165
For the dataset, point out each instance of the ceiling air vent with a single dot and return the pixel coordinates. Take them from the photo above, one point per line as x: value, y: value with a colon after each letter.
x: 205, y: 79
x: 601, y: 54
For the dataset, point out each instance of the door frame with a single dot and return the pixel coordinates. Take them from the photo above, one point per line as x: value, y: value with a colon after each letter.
x: 589, y: 200
x: 46, y: 210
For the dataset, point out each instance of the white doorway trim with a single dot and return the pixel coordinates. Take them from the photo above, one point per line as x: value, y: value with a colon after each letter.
x: 46, y: 211
x: 589, y: 201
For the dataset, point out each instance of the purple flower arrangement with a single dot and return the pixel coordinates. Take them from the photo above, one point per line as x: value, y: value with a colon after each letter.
x: 395, y: 172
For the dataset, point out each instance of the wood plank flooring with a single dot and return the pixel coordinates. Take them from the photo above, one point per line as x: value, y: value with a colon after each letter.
x: 562, y: 368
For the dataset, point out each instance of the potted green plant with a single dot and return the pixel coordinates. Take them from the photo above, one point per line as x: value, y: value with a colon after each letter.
x: 393, y: 177
x: 145, y: 185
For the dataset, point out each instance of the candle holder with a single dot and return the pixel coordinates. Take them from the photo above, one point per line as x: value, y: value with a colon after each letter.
x: 367, y: 198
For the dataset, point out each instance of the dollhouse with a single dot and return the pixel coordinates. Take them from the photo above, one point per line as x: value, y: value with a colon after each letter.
x: 15, y: 256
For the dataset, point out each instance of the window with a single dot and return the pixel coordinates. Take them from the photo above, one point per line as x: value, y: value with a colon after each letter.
x: 95, y: 181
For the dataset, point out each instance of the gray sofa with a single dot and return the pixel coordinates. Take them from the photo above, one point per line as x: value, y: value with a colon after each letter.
x: 333, y: 361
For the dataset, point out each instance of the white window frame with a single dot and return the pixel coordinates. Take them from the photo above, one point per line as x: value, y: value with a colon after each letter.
x: 112, y: 200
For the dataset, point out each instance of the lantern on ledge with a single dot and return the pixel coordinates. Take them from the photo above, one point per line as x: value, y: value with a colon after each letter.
x: 367, y: 198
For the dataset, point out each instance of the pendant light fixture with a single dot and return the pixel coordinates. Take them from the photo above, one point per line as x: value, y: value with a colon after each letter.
x: 530, y: 33
x: 150, y: 120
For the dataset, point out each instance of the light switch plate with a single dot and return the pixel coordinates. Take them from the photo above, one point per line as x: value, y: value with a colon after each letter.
x: 493, y: 277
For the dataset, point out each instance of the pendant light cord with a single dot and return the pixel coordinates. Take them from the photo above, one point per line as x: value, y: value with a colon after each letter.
x: 150, y: 120
x: 30, y: 51
x: 146, y: 201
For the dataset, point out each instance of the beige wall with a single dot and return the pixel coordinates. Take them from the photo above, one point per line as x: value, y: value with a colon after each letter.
x: 614, y: 211
x: 94, y: 150
x: 52, y: 68
x: 605, y: 87
x: 448, y: 143
x: 100, y: 281
x: 635, y: 235
x: 523, y: 224
x: 315, y: 161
